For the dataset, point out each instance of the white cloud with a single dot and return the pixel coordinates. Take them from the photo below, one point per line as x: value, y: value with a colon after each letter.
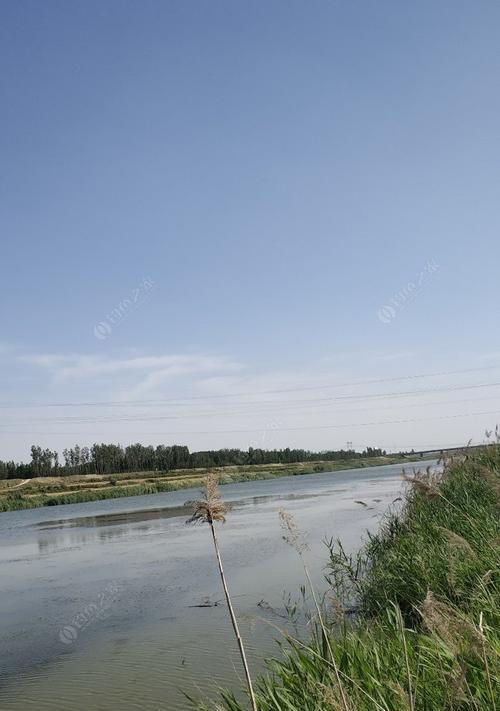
x: 77, y: 366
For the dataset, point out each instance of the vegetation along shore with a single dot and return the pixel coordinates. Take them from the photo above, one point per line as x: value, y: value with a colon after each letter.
x: 51, y: 490
x: 427, y: 634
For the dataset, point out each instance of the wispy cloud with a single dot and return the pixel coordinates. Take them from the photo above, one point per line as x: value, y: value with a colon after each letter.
x: 157, y: 368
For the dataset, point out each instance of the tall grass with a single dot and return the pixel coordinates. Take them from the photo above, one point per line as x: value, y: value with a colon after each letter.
x: 427, y: 636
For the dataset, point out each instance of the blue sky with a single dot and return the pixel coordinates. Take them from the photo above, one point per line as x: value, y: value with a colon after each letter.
x: 204, y: 202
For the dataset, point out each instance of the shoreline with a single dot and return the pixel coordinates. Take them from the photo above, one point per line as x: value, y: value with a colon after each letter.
x: 54, y: 491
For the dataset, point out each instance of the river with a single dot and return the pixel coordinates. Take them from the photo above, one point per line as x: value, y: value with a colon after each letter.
x: 100, y: 602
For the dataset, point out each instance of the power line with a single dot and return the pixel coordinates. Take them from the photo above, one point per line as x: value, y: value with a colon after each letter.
x: 226, y: 413
x: 344, y: 398
x: 284, y: 429
x: 178, y: 400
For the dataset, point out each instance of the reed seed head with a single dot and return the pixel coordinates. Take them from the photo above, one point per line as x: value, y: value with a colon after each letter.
x: 211, y: 508
x: 426, y: 483
x: 458, y: 633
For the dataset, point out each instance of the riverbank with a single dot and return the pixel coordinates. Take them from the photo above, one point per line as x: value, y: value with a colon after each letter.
x: 51, y: 491
x: 428, y: 634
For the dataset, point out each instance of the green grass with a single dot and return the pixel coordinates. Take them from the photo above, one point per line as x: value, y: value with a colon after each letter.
x: 427, y: 637
x: 16, y: 501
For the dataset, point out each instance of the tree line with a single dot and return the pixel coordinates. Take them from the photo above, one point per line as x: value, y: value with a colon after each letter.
x: 114, y: 459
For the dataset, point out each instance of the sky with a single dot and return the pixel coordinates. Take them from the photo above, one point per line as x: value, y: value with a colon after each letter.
x: 249, y: 224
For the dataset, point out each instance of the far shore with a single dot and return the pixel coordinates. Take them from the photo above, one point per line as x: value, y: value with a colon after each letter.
x: 16, y: 494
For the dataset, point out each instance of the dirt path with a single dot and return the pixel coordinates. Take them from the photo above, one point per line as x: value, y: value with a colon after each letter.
x: 16, y: 486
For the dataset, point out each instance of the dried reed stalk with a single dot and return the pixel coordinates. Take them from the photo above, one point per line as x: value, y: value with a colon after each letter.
x: 208, y: 510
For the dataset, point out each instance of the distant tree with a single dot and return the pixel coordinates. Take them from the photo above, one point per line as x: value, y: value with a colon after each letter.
x: 112, y: 458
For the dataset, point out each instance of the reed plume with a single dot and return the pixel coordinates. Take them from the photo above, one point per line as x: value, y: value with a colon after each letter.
x: 209, y: 510
x: 426, y: 483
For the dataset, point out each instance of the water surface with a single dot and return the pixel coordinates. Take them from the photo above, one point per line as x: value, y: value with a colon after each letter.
x: 102, y: 604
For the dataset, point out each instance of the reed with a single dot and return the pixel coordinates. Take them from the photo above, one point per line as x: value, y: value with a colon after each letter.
x: 427, y: 633
x: 209, y: 510
x: 294, y: 538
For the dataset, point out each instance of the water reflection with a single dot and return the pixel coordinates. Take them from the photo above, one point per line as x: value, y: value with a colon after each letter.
x: 131, y: 517
x: 111, y: 526
x: 122, y: 518
x: 65, y: 540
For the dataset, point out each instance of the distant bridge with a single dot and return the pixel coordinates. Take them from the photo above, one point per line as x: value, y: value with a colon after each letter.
x: 438, y: 450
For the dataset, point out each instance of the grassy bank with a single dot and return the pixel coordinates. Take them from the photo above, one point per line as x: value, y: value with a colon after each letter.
x: 427, y: 637
x: 51, y: 491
